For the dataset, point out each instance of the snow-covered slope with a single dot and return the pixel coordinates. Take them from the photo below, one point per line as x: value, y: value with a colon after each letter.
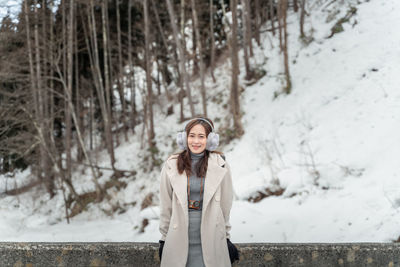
x: 343, y: 115
x: 333, y: 145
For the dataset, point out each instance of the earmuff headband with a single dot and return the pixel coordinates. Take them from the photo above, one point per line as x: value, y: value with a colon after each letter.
x: 201, y: 119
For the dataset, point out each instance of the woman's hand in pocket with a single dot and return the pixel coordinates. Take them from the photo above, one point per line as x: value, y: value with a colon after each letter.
x: 233, y: 251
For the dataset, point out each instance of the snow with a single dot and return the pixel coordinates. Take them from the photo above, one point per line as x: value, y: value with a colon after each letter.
x: 333, y: 144
x: 11, y: 8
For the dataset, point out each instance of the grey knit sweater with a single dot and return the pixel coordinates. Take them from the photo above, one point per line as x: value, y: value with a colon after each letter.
x: 195, y: 181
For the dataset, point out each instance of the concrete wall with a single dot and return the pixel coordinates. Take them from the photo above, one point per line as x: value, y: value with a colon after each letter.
x: 146, y: 254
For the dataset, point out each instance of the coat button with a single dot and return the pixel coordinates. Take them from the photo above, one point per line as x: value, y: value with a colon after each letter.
x: 217, y: 198
x: 175, y: 226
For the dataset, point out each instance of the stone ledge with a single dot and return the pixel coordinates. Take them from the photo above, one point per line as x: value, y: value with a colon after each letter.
x: 252, y: 254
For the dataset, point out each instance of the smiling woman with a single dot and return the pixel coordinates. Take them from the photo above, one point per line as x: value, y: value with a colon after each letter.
x: 196, y: 193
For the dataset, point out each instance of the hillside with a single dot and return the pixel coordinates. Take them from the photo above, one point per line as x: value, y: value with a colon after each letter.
x: 331, y: 145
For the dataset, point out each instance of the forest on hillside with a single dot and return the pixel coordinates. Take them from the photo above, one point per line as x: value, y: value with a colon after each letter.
x: 79, y: 76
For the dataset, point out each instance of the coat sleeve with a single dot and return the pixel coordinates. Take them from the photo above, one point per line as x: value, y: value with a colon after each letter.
x: 227, y: 198
x: 165, y: 202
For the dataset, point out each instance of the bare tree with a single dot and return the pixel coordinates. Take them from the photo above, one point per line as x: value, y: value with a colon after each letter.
x: 181, y: 55
x: 79, y: 101
x: 272, y: 16
x: 164, y: 65
x: 150, y: 131
x: 103, y: 92
x: 120, y: 84
x: 40, y: 97
x: 68, y: 41
x: 280, y: 26
x: 302, y: 15
x: 200, y: 56
x: 48, y: 173
x: 212, y: 52
x: 108, y: 89
x: 67, y: 85
x: 235, y: 97
x: 295, y: 6
x: 283, y: 17
x: 131, y: 71
x: 257, y: 22
x: 246, y: 39
x: 247, y: 22
x: 46, y: 142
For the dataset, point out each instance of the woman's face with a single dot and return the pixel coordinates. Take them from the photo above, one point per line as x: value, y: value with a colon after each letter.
x: 197, y: 139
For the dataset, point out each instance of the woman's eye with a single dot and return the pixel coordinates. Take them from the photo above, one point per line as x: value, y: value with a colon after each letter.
x: 200, y: 137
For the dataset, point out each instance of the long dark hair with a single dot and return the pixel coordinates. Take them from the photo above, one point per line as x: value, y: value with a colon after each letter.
x: 184, y: 162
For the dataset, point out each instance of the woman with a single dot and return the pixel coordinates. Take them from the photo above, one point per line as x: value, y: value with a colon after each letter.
x: 195, y: 201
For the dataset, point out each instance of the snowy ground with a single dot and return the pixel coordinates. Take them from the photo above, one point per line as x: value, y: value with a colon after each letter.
x: 340, y: 122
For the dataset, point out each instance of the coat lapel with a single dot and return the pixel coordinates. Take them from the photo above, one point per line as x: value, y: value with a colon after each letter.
x: 179, y: 185
x: 215, y: 174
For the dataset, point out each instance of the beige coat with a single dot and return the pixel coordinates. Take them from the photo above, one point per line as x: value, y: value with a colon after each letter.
x: 215, y: 226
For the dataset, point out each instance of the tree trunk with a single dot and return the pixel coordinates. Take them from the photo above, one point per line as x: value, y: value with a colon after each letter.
x: 257, y: 22
x: 295, y: 6
x: 246, y: 41
x: 150, y: 131
x: 91, y: 119
x: 68, y: 42
x: 41, y: 97
x: 235, y: 103
x: 280, y: 26
x: 92, y: 62
x: 285, y: 48
x: 302, y: 14
x: 164, y: 65
x: 247, y: 21
x: 98, y: 79
x: 79, y: 101
x: 51, y: 115
x: 183, y: 24
x: 68, y: 90
x: 113, y: 116
x: 195, y: 63
x: 200, y: 56
x: 131, y: 71
x: 47, y: 169
x: 108, y: 89
x: 32, y: 76
x: 272, y: 16
x: 181, y: 55
x: 212, y: 52
x: 120, y: 85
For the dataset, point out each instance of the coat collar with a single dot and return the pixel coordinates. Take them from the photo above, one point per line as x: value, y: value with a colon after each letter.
x: 215, y: 173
